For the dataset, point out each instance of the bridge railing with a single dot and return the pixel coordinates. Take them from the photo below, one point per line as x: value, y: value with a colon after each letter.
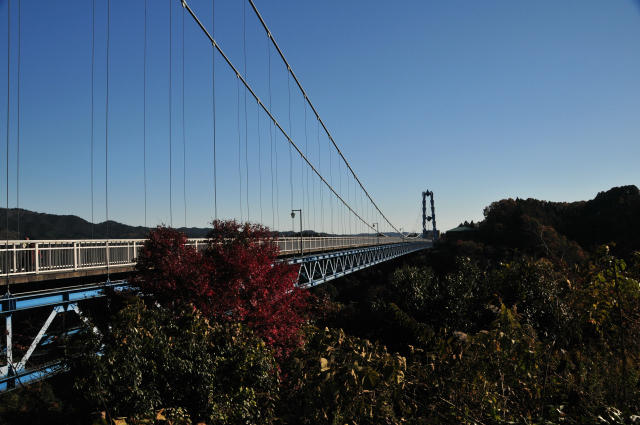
x: 25, y: 257
x: 291, y: 245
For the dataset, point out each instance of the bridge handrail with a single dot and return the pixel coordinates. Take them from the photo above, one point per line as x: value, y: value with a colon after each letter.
x: 25, y: 257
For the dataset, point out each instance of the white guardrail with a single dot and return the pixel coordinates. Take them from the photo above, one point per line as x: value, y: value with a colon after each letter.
x: 24, y: 257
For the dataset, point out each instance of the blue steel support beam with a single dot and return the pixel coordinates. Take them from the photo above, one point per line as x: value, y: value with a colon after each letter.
x: 60, y: 300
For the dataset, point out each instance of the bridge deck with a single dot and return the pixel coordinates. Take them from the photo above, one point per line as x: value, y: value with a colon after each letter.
x: 28, y: 261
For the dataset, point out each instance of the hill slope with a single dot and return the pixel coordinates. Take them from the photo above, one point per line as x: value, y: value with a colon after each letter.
x: 36, y: 225
x: 566, y: 228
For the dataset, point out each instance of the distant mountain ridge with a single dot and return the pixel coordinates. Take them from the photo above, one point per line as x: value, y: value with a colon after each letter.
x: 35, y: 225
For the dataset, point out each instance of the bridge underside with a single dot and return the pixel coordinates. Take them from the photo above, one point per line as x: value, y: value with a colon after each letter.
x: 314, y: 270
x: 318, y: 269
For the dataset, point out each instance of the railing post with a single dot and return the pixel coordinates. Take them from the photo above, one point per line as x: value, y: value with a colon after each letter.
x: 37, y: 259
x: 15, y: 270
x: 135, y: 251
x: 75, y: 256
x: 107, y: 256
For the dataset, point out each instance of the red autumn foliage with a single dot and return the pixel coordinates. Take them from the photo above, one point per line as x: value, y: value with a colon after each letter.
x: 237, y: 278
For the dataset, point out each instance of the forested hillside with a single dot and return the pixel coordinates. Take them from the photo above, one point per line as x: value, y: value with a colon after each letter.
x: 566, y: 230
x: 522, y: 326
x: 34, y: 225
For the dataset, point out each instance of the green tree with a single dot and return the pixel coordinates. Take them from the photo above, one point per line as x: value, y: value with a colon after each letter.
x: 152, y: 359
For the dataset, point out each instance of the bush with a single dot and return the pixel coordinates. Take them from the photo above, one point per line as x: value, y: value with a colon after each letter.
x: 238, y: 278
x: 151, y: 359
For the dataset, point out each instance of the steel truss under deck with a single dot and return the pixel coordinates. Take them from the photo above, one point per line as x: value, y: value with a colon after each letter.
x: 318, y: 269
x: 13, y: 371
x: 314, y: 270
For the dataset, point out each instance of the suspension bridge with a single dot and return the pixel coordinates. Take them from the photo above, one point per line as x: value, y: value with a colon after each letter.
x: 199, y: 131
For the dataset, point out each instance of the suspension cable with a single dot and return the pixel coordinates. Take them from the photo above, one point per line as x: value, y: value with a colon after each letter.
x: 306, y: 152
x: 275, y: 148
x: 312, y: 107
x: 246, y: 129
x: 184, y: 138
x: 331, y: 177
x: 213, y: 85
x: 93, y: 61
x: 106, y: 143
x: 260, y: 162
x: 340, y: 215
x: 275, y: 122
x: 18, y: 141
x: 6, y: 251
x: 321, y: 191
x: 273, y: 219
x: 290, y: 157
x: 170, y: 119
x: 144, y: 118
x: 239, y: 148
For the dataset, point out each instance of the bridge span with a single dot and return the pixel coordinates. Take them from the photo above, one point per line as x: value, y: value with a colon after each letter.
x: 24, y: 261
x: 326, y: 259
x: 285, y: 161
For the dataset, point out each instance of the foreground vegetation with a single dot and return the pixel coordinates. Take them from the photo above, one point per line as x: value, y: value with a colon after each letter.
x: 470, y: 332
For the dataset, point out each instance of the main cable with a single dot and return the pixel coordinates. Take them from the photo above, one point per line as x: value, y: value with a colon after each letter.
x: 279, y: 127
x: 313, y: 108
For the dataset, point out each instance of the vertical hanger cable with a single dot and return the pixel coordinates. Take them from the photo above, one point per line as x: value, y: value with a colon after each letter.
x: 144, y: 114
x: 6, y: 252
x: 18, y: 140
x: 213, y: 89
x: 93, y: 52
x: 184, y: 137
x: 170, y: 116
x: 106, y: 144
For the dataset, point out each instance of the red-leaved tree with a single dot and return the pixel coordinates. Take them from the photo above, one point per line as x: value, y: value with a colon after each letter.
x: 237, y: 278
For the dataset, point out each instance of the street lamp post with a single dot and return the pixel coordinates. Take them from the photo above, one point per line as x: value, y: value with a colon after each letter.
x: 293, y: 215
x: 377, y: 232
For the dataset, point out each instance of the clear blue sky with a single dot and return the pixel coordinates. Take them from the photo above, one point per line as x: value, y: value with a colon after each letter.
x: 475, y: 100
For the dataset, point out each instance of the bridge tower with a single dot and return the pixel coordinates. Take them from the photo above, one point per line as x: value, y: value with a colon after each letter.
x: 426, y: 218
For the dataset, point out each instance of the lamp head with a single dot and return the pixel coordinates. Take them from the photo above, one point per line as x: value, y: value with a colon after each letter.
x: 293, y: 215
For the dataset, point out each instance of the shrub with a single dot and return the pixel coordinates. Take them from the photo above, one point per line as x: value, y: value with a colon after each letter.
x: 238, y: 278
x: 152, y: 359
